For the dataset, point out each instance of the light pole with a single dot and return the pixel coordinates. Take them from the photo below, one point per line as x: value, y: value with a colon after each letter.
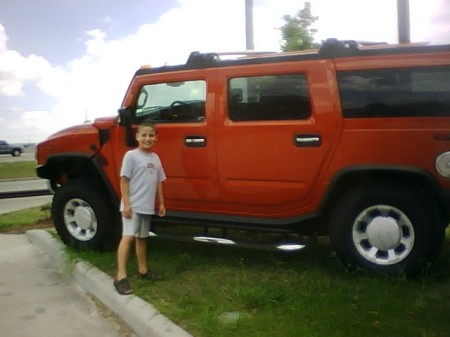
x: 249, y: 25
x: 403, y: 21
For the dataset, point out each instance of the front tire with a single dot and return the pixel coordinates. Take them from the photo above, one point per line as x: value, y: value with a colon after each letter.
x: 81, y: 214
x: 386, y: 229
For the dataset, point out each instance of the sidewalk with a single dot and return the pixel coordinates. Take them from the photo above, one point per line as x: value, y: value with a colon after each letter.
x: 37, y: 299
x: 139, y: 315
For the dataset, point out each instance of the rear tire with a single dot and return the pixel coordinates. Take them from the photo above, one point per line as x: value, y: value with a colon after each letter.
x: 386, y: 229
x: 81, y: 215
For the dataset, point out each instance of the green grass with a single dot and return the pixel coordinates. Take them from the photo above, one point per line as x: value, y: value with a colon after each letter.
x: 21, y: 221
x: 19, y: 169
x: 302, y: 294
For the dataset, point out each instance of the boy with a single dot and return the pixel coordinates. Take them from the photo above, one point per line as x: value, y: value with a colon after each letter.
x: 141, y: 179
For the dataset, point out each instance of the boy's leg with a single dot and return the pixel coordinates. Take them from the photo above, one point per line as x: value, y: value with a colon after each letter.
x: 141, y: 255
x: 129, y: 229
x: 123, y: 252
x: 141, y: 242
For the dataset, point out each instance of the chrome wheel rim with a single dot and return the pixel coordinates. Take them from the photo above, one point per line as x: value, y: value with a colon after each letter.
x: 383, y: 235
x: 80, y: 219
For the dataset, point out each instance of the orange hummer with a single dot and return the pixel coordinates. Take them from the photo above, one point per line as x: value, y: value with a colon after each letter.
x: 350, y: 141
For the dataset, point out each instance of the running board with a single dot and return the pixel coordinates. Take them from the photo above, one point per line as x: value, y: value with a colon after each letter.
x: 281, y: 246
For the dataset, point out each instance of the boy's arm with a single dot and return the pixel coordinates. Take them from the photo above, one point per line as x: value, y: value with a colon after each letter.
x: 160, y: 194
x: 125, y: 192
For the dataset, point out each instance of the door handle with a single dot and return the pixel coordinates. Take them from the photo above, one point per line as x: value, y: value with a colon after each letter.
x: 307, y: 140
x: 195, y: 141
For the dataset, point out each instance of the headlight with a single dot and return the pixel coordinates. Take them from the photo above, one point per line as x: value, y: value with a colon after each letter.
x: 443, y: 164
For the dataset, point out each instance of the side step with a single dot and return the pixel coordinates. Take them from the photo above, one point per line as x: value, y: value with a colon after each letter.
x: 284, y: 245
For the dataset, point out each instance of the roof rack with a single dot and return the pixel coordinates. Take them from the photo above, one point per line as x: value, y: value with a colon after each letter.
x: 197, y: 59
x: 333, y: 47
x: 330, y: 48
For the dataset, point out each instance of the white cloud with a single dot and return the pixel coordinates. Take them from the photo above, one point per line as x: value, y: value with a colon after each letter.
x: 16, y: 70
x: 94, y: 84
x: 430, y: 21
x: 3, y: 39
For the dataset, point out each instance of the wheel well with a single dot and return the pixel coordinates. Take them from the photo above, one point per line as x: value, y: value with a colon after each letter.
x: 72, y: 167
x: 65, y: 168
x: 349, y: 179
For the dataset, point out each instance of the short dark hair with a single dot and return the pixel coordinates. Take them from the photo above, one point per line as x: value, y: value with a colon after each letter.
x: 146, y: 124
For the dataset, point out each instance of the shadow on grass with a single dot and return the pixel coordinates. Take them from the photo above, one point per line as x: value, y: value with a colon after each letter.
x: 309, y: 287
x: 318, y: 256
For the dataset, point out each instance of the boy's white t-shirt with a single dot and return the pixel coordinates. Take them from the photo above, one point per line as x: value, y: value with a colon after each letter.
x: 145, y: 171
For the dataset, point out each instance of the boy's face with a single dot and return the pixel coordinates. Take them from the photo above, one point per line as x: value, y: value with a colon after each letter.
x: 146, y: 137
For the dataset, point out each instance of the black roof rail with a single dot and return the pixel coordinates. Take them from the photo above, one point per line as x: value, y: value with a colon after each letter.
x: 202, y: 60
x: 334, y: 47
x: 331, y: 48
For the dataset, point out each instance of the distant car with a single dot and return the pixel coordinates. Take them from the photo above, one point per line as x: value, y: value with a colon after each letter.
x: 13, y: 150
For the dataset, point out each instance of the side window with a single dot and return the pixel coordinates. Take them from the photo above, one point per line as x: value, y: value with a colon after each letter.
x: 273, y: 97
x: 405, y: 92
x: 172, y: 102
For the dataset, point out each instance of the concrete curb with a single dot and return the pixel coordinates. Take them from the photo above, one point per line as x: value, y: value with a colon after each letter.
x: 138, y: 314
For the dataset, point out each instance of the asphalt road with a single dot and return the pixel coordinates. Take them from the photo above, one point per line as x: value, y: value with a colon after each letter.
x: 26, y: 156
x: 14, y: 204
x: 11, y: 186
x: 23, y: 185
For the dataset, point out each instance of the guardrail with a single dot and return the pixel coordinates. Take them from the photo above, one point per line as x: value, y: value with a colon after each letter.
x: 23, y: 194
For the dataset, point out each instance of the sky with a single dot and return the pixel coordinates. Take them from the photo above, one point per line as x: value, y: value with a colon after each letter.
x: 63, y: 62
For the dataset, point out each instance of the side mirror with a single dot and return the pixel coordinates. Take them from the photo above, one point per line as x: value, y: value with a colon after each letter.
x: 126, y: 119
x: 125, y: 116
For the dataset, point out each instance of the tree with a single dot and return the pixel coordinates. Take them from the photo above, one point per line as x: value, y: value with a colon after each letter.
x: 296, y: 32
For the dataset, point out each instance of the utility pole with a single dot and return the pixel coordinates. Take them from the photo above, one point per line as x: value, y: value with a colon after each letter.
x: 249, y: 25
x: 403, y: 21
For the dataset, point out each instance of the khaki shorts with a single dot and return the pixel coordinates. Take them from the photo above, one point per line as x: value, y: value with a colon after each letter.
x: 138, y: 226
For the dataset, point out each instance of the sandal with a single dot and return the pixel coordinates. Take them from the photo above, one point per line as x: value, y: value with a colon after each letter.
x: 123, y: 287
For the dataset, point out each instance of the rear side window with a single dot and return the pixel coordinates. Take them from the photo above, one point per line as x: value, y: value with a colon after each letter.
x: 273, y: 97
x: 405, y: 92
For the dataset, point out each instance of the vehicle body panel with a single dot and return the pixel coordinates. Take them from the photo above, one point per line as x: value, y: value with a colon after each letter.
x: 192, y: 181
